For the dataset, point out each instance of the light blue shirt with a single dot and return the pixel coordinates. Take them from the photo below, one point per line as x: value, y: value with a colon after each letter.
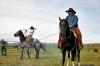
x: 73, y: 21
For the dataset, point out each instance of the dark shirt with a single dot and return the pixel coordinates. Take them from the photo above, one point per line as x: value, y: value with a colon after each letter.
x: 3, y: 43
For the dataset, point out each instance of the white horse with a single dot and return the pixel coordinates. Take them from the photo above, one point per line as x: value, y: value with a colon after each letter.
x: 26, y: 46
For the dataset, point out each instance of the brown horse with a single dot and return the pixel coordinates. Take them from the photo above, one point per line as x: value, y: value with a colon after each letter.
x: 68, y: 43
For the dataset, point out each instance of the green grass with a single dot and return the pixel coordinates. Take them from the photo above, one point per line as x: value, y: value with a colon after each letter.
x: 52, y: 57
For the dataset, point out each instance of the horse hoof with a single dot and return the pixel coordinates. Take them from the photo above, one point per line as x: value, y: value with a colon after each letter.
x: 73, y: 64
x: 78, y: 64
x: 68, y: 62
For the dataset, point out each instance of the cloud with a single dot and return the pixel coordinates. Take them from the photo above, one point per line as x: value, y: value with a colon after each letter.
x: 43, y: 14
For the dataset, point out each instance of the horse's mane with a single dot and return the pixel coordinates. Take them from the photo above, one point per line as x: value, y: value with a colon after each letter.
x: 22, y: 37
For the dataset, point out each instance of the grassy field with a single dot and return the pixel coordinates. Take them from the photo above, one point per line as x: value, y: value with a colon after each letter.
x: 52, y: 57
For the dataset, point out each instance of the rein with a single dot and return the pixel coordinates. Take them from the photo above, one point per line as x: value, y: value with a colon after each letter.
x: 69, y: 38
x: 69, y: 35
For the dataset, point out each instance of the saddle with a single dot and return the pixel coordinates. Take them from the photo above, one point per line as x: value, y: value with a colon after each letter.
x: 29, y: 39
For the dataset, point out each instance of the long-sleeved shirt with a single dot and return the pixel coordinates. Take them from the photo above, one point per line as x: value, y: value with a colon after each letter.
x: 3, y: 43
x: 73, y: 21
x: 30, y: 32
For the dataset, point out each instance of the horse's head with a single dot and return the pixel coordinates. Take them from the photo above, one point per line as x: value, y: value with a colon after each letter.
x: 64, y: 29
x: 63, y: 24
x: 18, y: 33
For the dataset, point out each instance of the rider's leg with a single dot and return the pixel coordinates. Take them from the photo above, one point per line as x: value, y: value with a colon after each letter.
x: 5, y: 50
x: 29, y: 38
x: 79, y: 37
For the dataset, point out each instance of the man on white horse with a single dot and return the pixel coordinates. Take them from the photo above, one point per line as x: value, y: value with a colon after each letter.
x: 29, y: 33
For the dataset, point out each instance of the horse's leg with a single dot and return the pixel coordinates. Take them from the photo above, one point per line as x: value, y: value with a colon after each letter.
x: 78, y: 57
x: 22, y: 52
x: 30, y: 50
x: 68, y: 58
x: 64, y: 55
x: 28, y: 53
x: 68, y: 54
x: 37, y: 54
x: 73, y: 54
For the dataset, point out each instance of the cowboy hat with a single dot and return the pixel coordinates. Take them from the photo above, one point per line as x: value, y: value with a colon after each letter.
x: 71, y: 10
x: 32, y: 27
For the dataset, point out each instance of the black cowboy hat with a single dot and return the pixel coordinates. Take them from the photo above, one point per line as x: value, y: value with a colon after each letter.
x: 32, y: 27
x: 71, y: 10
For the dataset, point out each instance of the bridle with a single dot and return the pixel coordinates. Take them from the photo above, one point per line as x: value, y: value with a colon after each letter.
x: 65, y: 27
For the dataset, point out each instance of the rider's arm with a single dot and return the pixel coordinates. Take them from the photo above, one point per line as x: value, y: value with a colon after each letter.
x: 74, y: 22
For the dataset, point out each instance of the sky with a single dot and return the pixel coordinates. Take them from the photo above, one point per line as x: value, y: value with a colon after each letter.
x: 43, y: 15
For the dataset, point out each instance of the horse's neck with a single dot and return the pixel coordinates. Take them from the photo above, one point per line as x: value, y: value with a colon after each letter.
x: 68, y: 31
x: 22, y: 38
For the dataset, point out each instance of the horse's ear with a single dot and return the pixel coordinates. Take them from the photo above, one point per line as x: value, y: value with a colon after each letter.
x: 20, y: 30
x: 59, y: 18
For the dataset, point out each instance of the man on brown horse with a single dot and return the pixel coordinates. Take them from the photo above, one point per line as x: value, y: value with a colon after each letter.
x: 73, y: 24
x: 29, y: 33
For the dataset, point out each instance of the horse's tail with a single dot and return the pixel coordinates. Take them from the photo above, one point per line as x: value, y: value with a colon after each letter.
x: 42, y: 46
